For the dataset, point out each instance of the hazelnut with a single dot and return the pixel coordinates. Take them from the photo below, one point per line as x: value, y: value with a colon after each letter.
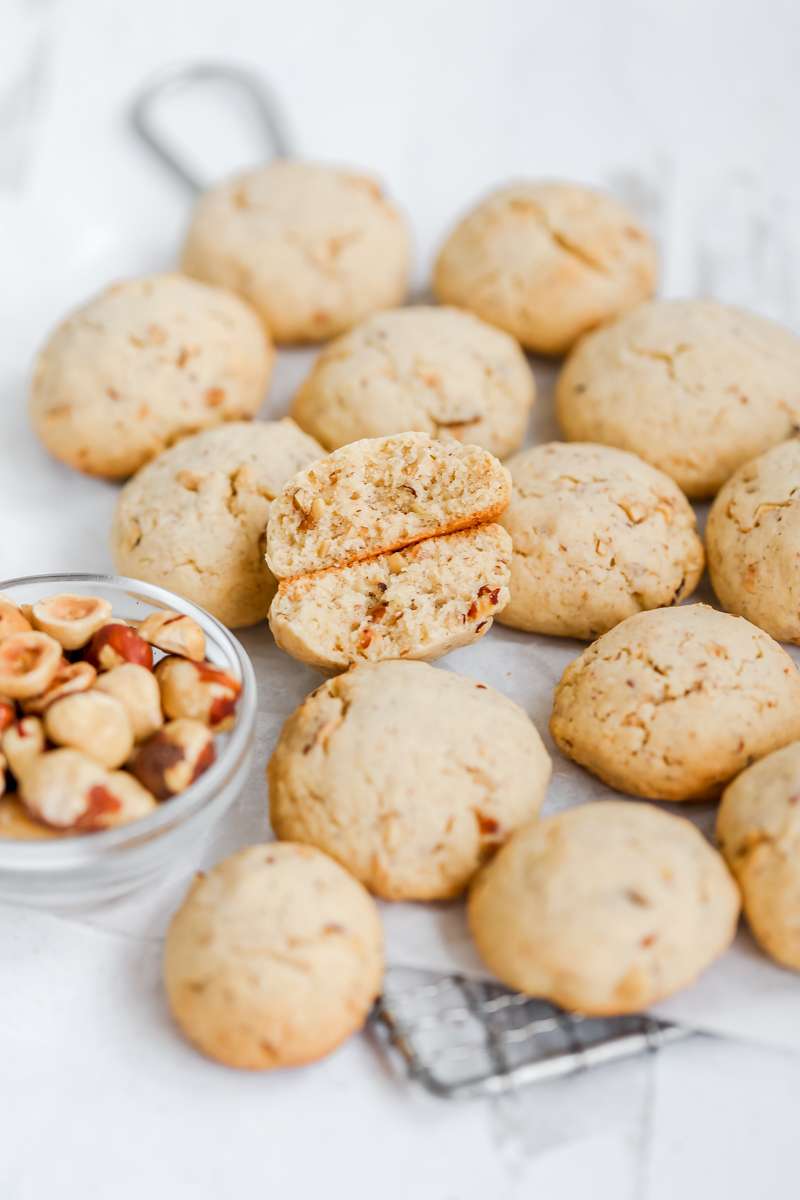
x: 137, y: 690
x: 8, y: 713
x: 94, y: 723
x: 71, y: 620
x: 69, y: 678
x: 135, y: 801
x: 3, y: 765
x: 174, y: 633
x: 12, y: 619
x: 28, y: 663
x: 173, y: 758
x: 22, y: 743
x: 16, y: 823
x: 199, y: 691
x: 66, y: 789
x: 114, y: 644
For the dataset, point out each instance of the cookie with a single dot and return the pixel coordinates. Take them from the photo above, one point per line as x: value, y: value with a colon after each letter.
x: 694, y: 387
x: 274, y: 957
x: 758, y: 829
x: 546, y: 262
x: 378, y: 495
x: 408, y: 775
x: 143, y: 364
x: 437, y: 370
x: 193, y: 520
x: 753, y: 540
x: 598, y: 536
x: 419, y: 602
x: 671, y: 704
x: 315, y: 249
x: 604, y: 909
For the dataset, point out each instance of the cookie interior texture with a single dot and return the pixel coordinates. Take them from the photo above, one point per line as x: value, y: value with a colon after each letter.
x: 694, y: 387
x: 598, y: 536
x: 418, y: 602
x: 144, y: 363
x: 753, y: 540
x: 441, y: 371
x: 378, y: 495
x: 758, y: 829
x: 313, y: 248
x: 604, y: 909
x: 274, y: 957
x: 193, y: 520
x: 410, y: 776
x: 546, y: 262
x: 671, y: 704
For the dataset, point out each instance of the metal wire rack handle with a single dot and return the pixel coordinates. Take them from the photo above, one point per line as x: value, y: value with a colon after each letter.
x: 183, y: 78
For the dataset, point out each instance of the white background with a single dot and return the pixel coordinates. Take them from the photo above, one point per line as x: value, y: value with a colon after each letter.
x: 690, y: 111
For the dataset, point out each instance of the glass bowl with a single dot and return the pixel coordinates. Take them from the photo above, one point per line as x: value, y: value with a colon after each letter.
x: 92, y: 867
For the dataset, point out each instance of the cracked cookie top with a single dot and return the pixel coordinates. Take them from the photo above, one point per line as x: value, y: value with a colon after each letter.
x: 546, y: 262
x: 438, y: 370
x: 671, y: 704
x: 313, y: 248
x: 274, y: 957
x: 598, y: 536
x: 146, y: 362
x: 193, y: 520
x: 694, y: 387
x: 753, y: 539
x: 409, y: 775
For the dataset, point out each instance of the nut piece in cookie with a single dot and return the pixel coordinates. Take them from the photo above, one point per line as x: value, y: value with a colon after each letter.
x: 409, y: 776
x: 603, y: 909
x: 116, y: 643
x: 12, y: 619
x: 671, y: 704
x: 28, y: 664
x: 198, y: 690
x: 136, y: 689
x: 175, y: 633
x: 758, y: 829
x: 71, y: 620
x: 94, y: 723
x: 274, y: 958
x: 174, y: 757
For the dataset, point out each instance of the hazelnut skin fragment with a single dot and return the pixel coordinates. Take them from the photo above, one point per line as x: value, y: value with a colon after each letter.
x: 68, y: 679
x: 114, y: 644
x: 22, y: 743
x: 198, y: 690
x: 12, y: 619
x: 173, y: 758
x: 137, y: 690
x: 174, y: 633
x: 28, y: 664
x: 70, y: 619
x: 93, y: 723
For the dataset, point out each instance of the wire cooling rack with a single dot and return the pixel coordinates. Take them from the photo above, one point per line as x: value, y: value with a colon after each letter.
x: 461, y: 1037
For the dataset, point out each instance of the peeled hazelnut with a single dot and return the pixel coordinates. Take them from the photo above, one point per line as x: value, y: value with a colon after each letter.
x: 69, y: 678
x: 16, y: 823
x: 22, y: 743
x: 28, y: 663
x: 137, y: 690
x: 12, y: 619
x: 8, y: 713
x: 173, y: 758
x: 94, y: 723
x: 199, y: 691
x: 71, y: 620
x: 66, y: 789
x: 114, y: 644
x: 135, y: 801
x: 174, y: 633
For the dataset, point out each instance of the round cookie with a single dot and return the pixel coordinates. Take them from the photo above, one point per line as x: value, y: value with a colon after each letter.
x: 758, y: 829
x: 546, y: 262
x: 143, y: 364
x: 694, y: 387
x: 671, y: 704
x: 604, y: 909
x: 437, y: 370
x: 753, y: 540
x: 194, y: 519
x: 410, y: 776
x: 274, y: 958
x: 598, y: 536
x: 313, y: 248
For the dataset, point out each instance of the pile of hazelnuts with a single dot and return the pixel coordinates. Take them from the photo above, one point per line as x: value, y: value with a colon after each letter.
x: 101, y: 719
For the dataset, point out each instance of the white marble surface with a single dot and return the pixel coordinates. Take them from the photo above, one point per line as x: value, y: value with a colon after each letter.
x: 690, y: 110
